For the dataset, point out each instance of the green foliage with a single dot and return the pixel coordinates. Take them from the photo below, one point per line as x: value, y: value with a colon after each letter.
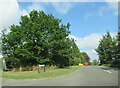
x: 84, y: 57
x: 94, y: 62
x: 0, y: 63
x: 89, y: 63
x: 76, y: 61
x: 107, y: 65
x: 108, y: 50
x: 40, y: 39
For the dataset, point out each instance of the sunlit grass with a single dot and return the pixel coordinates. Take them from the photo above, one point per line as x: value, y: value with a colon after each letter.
x: 35, y: 75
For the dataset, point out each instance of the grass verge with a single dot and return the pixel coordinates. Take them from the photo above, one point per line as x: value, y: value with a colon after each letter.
x: 50, y: 73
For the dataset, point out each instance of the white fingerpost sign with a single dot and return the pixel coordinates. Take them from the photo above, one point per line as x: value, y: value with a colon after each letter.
x: 41, y: 66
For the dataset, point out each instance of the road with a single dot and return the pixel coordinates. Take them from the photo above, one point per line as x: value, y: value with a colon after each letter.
x: 85, y: 76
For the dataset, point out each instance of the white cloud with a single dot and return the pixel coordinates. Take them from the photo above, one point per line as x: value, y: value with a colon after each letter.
x: 89, y: 43
x: 88, y: 15
x: 62, y: 7
x: 101, y: 10
x: 111, y: 0
x: 114, y: 7
x: 24, y: 12
x: 9, y: 14
x: 67, y: 0
x: 111, y: 6
x: 35, y: 6
x: 93, y: 54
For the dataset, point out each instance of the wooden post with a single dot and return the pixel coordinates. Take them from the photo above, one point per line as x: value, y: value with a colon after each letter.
x: 44, y: 68
x: 38, y: 69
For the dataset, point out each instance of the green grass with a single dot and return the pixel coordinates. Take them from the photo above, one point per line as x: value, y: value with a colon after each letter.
x: 109, y: 65
x: 50, y: 73
x: 0, y: 63
x: 0, y: 67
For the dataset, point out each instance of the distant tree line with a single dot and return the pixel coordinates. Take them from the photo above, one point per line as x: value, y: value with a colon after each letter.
x: 109, y: 50
x: 40, y: 39
x: 95, y: 62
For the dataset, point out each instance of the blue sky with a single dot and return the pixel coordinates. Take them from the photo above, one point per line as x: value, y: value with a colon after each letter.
x: 89, y: 20
x: 85, y: 17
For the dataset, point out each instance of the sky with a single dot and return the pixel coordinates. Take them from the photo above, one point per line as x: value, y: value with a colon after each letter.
x: 89, y: 20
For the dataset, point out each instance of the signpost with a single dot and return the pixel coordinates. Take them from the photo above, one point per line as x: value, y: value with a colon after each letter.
x: 39, y: 68
x: 4, y: 65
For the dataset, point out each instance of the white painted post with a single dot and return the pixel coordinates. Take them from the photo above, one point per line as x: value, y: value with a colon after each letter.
x: 41, y: 66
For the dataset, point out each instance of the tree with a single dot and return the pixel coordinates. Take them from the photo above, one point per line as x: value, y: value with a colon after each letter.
x: 38, y: 39
x: 94, y: 62
x: 85, y: 57
x: 116, y: 51
x: 107, y: 49
x: 77, y: 56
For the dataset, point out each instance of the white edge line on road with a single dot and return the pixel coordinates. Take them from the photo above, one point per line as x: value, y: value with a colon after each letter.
x: 108, y: 71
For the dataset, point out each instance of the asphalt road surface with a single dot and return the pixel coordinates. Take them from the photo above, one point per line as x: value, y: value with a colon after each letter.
x: 85, y: 76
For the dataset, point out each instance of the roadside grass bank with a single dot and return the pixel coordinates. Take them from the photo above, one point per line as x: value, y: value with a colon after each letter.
x: 50, y: 73
x: 109, y: 65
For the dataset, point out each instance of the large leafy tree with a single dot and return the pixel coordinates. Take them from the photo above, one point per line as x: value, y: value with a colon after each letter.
x: 38, y: 39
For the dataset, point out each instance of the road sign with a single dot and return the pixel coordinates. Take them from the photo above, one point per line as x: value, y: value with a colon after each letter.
x: 41, y: 66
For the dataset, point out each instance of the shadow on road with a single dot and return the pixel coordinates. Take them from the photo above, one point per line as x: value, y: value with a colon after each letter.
x: 110, y: 68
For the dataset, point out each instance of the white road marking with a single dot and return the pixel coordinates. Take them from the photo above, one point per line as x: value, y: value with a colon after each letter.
x: 108, y: 71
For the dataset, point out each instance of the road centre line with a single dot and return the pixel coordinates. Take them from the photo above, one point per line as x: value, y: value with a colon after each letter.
x: 108, y: 71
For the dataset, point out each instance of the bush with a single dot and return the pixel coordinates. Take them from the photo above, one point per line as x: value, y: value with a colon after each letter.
x: 76, y: 61
x: 107, y: 65
x: 116, y: 66
x: 89, y: 63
